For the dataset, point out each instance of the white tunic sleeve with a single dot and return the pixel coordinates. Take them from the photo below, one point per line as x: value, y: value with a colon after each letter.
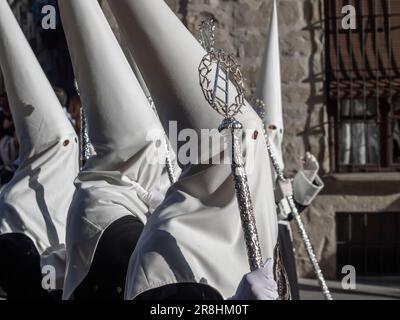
x: 305, y: 190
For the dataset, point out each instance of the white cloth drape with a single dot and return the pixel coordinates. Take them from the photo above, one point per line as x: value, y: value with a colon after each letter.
x: 358, y: 139
x: 36, y: 201
x: 121, y: 124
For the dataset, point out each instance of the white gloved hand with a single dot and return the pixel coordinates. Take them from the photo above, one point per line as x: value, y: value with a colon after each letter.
x: 310, y: 166
x: 258, y: 285
x: 151, y: 198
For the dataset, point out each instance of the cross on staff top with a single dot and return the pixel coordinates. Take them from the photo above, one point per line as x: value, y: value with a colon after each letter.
x: 207, y: 34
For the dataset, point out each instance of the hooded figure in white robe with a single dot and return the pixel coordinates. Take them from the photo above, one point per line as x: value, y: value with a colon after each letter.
x: 195, y: 236
x: 35, y: 202
x: 306, y: 183
x: 126, y: 172
x: 269, y: 90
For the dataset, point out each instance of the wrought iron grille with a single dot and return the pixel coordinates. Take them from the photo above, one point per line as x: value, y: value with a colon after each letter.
x: 363, y: 83
x: 369, y: 241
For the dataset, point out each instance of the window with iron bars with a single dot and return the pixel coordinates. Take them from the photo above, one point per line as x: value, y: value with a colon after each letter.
x: 363, y: 84
x: 369, y: 241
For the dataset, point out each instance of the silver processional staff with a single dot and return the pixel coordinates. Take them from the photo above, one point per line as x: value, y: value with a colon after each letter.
x: 216, y: 92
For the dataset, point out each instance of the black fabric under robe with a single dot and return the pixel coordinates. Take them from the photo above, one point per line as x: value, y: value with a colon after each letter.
x: 288, y: 259
x: 107, y: 274
x: 181, y: 291
x: 20, y: 272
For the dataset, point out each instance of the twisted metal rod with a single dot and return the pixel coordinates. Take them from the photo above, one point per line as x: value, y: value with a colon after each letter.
x: 299, y: 223
x: 243, y: 195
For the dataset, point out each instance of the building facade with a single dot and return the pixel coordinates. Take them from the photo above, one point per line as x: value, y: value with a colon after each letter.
x: 341, y: 100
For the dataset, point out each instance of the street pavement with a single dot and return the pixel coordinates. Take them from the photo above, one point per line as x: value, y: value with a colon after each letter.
x: 366, y: 289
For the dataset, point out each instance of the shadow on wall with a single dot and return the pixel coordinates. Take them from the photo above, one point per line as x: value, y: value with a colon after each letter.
x: 316, y: 81
x: 183, y: 10
x: 327, y: 265
x: 322, y: 233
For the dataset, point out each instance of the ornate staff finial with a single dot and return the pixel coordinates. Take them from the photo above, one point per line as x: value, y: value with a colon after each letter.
x: 217, y: 72
x: 216, y: 91
x: 84, y: 143
x: 207, y: 34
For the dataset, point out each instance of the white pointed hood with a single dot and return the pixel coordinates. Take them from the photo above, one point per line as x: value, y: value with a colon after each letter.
x: 121, y: 124
x: 37, y: 199
x: 269, y: 90
x: 171, y: 154
x: 269, y: 85
x: 171, y: 88
x: 197, y: 231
